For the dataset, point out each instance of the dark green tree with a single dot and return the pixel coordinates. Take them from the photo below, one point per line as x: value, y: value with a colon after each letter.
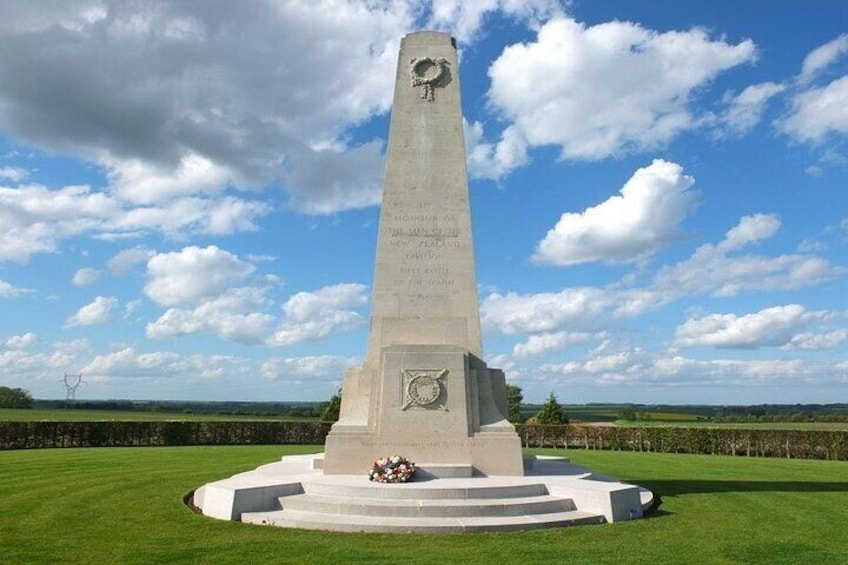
x: 627, y: 413
x: 331, y: 411
x: 14, y: 398
x: 551, y: 412
x: 513, y: 400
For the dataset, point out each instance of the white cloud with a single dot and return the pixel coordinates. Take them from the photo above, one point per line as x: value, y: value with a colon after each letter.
x: 711, y: 270
x: 821, y: 57
x: 548, y: 342
x: 750, y: 229
x: 8, y: 289
x: 233, y: 108
x: 463, y: 19
x: 607, y: 89
x: 193, y: 274
x: 123, y: 261
x: 14, y: 174
x: 493, y: 160
x: 746, y: 109
x: 85, y: 276
x: 809, y: 340
x: 545, y: 312
x: 33, y: 218
x: 626, y: 228
x: 21, y: 341
x: 228, y: 316
x: 129, y: 363
x: 818, y: 113
x: 311, y: 316
x: 300, y: 369
x: 774, y: 326
x: 97, y: 312
x: 328, y: 181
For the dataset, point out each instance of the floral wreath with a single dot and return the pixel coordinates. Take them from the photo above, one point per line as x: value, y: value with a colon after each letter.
x: 418, y: 79
x: 394, y: 469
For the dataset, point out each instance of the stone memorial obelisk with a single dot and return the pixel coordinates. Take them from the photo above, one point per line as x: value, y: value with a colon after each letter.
x: 423, y: 391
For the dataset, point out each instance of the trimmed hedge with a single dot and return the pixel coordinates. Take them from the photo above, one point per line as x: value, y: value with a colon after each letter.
x: 30, y: 435
x: 796, y: 444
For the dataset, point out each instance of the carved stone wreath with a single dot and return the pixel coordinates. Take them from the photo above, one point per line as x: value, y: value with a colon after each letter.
x: 422, y: 387
x: 418, y: 68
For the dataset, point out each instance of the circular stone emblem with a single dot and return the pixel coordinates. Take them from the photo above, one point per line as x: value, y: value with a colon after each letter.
x: 427, y: 72
x: 424, y: 389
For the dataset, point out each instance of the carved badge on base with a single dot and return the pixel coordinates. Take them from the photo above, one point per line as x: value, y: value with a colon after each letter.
x: 424, y: 388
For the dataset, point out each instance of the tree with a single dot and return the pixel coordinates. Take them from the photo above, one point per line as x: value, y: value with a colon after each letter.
x: 331, y: 411
x: 14, y: 398
x: 551, y: 412
x: 627, y: 413
x: 513, y: 400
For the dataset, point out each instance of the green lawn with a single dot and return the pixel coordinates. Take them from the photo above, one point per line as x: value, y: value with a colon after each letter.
x: 123, y: 505
x: 81, y: 415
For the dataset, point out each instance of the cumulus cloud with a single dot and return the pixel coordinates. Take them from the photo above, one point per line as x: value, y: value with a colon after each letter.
x: 187, y: 99
x: 192, y: 274
x: 823, y: 56
x: 774, y: 326
x: 719, y: 270
x: 231, y: 316
x: 85, y: 276
x: 488, y: 160
x: 548, y: 342
x: 745, y: 110
x: 21, y: 341
x: 515, y: 313
x: 34, y: 218
x: 97, y: 312
x: 14, y: 174
x: 123, y: 261
x: 810, y: 340
x: 8, y: 289
x: 463, y: 19
x: 127, y: 362
x: 311, y: 368
x: 607, y: 89
x: 311, y: 316
x: 626, y: 228
x: 819, y: 112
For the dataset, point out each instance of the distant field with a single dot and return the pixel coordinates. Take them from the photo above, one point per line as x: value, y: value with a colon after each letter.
x: 73, y: 415
x: 824, y: 426
x: 123, y: 505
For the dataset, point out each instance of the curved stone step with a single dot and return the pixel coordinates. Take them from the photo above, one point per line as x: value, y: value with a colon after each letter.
x: 516, y: 506
x: 422, y: 491
x: 346, y: 523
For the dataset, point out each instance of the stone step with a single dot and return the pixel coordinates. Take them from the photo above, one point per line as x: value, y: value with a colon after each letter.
x: 516, y: 506
x: 421, y: 491
x: 422, y: 525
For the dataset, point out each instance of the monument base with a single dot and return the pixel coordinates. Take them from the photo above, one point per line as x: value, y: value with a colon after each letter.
x: 295, y: 493
x: 433, y: 404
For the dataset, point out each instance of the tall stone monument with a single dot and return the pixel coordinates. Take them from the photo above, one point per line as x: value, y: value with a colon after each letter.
x: 424, y: 391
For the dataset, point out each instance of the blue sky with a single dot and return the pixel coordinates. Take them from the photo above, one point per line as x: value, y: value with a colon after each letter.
x: 189, y: 195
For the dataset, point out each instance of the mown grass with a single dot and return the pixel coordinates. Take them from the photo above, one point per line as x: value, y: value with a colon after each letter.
x: 85, y: 415
x: 123, y: 505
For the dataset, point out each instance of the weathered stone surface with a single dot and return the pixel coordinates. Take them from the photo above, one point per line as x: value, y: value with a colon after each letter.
x: 423, y: 390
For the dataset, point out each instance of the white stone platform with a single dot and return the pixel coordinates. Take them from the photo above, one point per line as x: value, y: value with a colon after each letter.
x: 295, y: 493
